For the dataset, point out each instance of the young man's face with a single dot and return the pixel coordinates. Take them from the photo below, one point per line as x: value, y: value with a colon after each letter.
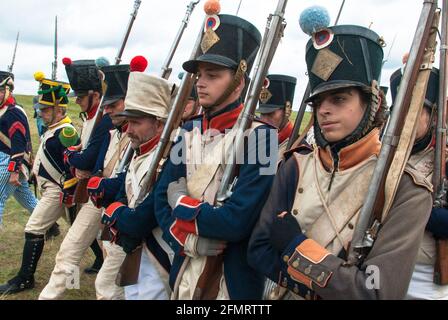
x: 113, y: 109
x: 143, y: 129
x: 189, y: 107
x: 2, y: 93
x: 49, y: 117
x: 274, y: 118
x: 339, y: 113
x: 212, y: 82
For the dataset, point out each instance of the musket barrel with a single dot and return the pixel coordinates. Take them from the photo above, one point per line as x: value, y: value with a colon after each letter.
x: 389, y: 144
x: 11, y: 66
x: 166, y: 70
x: 128, y: 31
x: 266, y: 55
x: 172, y: 122
x: 439, y: 157
x: 165, y: 73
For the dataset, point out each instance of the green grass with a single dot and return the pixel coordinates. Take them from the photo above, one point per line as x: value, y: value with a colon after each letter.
x: 12, y: 235
x: 305, y: 120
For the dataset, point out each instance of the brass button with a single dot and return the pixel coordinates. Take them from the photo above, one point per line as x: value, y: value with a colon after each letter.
x: 351, y: 226
x: 320, y: 278
x: 300, y: 190
x: 308, y: 269
x: 285, y: 283
x: 285, y: 258
x: 295, y: 212
x: 295, y: 264
x: 296, y: 289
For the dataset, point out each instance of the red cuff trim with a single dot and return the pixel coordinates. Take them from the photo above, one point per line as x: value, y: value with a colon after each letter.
x: 181, y: 228
x: 16, y: 126
x: 178, y: 234
x: 94, y: 183
x: 188, y: 202
x: 12, y: 167
x: 187, y: 226
x: 112, y: 208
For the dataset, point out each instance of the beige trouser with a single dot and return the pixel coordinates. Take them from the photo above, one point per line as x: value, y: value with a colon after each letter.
x: 105, y: 286
x: 48, y: 210
x: 78, y: 239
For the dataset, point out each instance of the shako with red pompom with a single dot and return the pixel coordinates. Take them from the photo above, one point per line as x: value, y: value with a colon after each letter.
x: 138, y: 64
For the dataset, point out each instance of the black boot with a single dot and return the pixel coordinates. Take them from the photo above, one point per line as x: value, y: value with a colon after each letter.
x: 96, y: 266
x: 34, y: 244
x: 53, y: 232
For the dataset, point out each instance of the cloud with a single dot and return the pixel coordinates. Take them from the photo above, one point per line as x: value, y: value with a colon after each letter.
x: 89, y: 29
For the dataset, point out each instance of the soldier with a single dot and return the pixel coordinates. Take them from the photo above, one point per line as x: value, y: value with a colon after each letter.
x: 422, y: 158
x: 15, y: 149
x: 210, y: 241
x: 147, y: 106
x: 301, y: 240
x: 50, y: 171
x: 276, y: 98
x: 109, y: 140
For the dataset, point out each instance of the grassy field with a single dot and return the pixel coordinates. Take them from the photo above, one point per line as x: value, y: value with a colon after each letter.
x: 12, y: 235
x: 14, y: 221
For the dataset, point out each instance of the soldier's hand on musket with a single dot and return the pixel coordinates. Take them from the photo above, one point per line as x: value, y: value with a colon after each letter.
x: 175, y: 191
x: 209, y: 247
x: 95, y: 188
x: 66, y: 196
x: 14, y: 179
x: 283, y: 230
x: 82, y: 174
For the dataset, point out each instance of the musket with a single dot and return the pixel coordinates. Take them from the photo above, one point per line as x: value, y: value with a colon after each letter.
x: 300, y: 114
x: 128, y: 31
x: 11, y: 66
x: 55, y: 62
x: 165, y: 73
x: 439, y: 177
x: 129, y: 270
x: 370, y: 217
x: 271, y: 39
x: 80, y: 195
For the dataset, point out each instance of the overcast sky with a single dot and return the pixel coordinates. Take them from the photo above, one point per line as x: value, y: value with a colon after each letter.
x: 89, y: 29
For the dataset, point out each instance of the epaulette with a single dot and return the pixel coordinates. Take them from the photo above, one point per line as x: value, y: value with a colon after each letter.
x: 418, y: 178
x: 68, y: 136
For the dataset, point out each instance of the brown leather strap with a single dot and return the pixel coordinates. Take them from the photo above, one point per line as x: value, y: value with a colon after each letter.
x: 108, y: 170
x: 207, y: 287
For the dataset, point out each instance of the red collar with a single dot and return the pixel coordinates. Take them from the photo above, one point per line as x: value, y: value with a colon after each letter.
x: 8, y: 101
x: 91, y: 113
x: 222, y: 121
x: 285, y: 133
x: 148, y: 146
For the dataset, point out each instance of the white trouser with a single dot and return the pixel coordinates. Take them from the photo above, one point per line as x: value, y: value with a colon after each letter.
x: 422, y: 287
x: 105, y: 286
x: 150, y: 284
